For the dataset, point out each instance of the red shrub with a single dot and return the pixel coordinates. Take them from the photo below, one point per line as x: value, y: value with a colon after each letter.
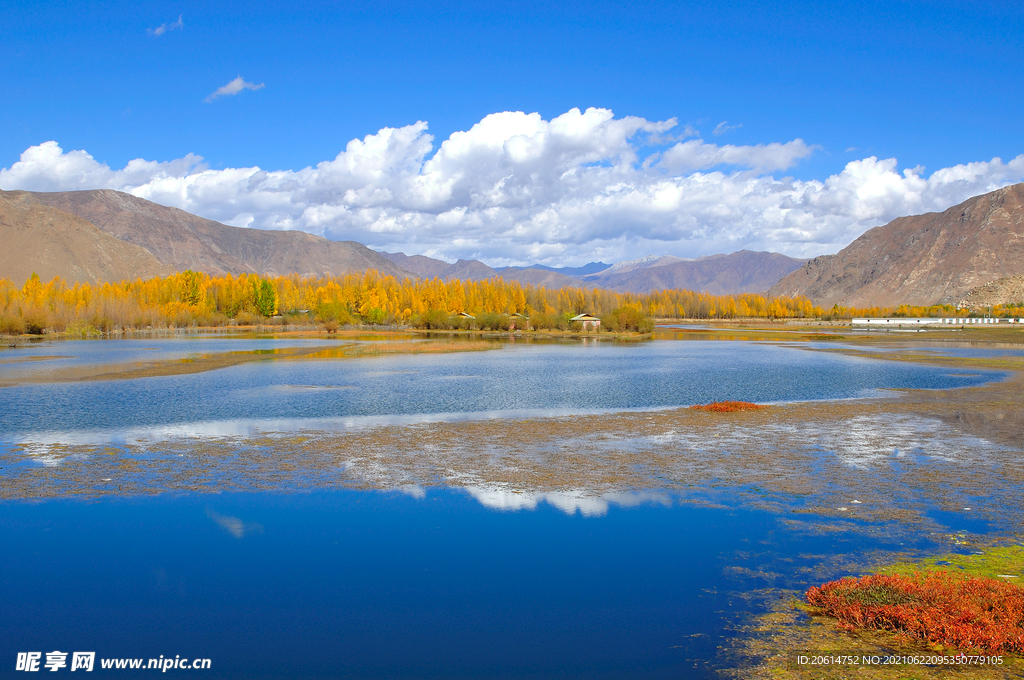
x: 952, y: 609
x: 728, y: 406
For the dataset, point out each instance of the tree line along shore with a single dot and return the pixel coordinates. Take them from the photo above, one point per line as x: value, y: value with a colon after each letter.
x: 194, y: 299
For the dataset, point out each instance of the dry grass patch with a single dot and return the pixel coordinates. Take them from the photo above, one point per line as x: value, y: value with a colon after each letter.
x: 728, y: 406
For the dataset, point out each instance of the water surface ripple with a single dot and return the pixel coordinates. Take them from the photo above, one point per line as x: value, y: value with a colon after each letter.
x: 525, y: 379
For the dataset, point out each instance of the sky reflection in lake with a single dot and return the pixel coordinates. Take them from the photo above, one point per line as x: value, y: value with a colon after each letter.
x: 517, y: 380
x: 366, y: 584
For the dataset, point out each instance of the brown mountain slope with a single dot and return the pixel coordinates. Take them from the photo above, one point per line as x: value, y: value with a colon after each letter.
x: 51, y: 242
x: 542, y: 277
x: 428, y: 268
x: 923, y: 259
x: 468, y: 270
x: 1007, y: 290
x: 185, y: 241
x: 422, y: 266
x: 741, y: 272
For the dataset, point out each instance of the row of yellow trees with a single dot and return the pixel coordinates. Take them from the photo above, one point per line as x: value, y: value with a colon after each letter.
x: 193, y: 298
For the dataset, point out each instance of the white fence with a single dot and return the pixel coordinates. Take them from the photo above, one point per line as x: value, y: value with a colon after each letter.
x: 938, y: 321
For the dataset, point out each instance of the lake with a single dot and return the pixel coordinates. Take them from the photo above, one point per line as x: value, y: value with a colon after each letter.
x: 366, y: 584
x: 437, y: 581
x: 518, y: 379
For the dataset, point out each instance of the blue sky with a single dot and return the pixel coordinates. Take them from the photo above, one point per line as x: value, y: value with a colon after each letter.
x: 933, y: 84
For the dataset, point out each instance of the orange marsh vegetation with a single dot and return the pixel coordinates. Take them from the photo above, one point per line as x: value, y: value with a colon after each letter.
x: 965, y: 612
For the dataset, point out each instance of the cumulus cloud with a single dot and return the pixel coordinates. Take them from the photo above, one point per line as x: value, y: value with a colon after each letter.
x: 516, y: 188
x: 233, y: 88
x: 163, y: 28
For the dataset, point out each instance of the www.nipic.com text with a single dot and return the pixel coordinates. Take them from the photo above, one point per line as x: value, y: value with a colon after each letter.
x: 86, y: 661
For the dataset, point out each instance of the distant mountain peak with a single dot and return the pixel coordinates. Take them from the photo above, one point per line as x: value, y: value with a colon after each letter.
x: 631, y: 263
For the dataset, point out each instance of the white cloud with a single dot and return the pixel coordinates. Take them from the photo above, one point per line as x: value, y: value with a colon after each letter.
x: 516, y: 188
x: 696, y: 154
x: 163, y: 28
x: 233, y: 88
x: 724, y: 127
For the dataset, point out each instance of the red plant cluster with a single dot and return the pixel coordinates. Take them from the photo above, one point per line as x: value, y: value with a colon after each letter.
x: 960, y: 611
x: 728, y: 406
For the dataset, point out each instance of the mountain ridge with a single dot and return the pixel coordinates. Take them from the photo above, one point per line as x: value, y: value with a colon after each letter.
x: 183, y: 241
x: 920, y: 259
x: 743, y: 271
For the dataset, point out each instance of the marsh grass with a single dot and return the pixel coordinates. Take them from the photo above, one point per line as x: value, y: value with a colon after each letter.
x: 938, y: 605
x: 1006, y: 562
x: 968, y: 613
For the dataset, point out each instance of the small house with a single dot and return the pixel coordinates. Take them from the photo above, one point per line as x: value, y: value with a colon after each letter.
x: 588, y: 321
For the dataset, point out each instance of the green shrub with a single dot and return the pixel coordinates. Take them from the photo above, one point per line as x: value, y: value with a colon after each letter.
x: 433, y: 319
x: 375, y: 316
x: 82, y: 329
x: 540, y: 321
x: 493, y: 322
x: 626, y: 320
x: 333, y: 311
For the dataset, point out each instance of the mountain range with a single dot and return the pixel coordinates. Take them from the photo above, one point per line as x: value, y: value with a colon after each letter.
x: 741, y: 272
x: 970, y: 253
x: 178, y: 240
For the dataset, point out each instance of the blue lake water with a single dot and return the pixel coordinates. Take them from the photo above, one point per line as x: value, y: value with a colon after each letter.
x: 519, y: 379
x: 364, y: 584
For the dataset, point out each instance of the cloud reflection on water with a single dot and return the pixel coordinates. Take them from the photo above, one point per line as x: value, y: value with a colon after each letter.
x: 235, y: 526
x: 41, y: 442
x: 569, y: 502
